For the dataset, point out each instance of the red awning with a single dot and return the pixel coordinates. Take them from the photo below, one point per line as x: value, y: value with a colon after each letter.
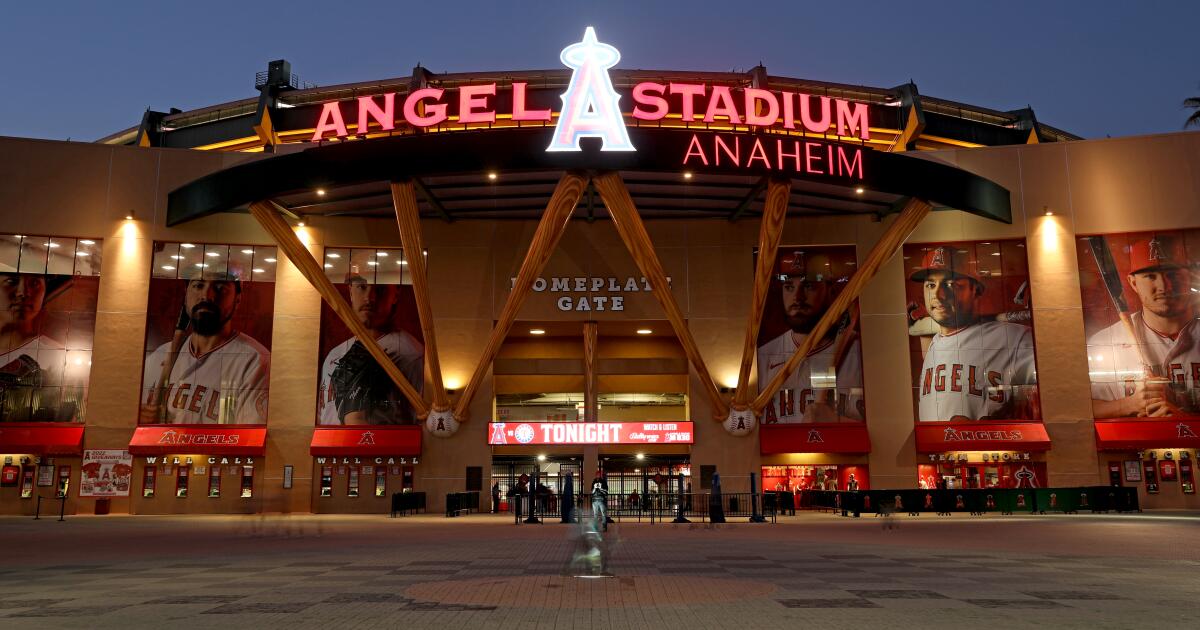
x: 201, y: 439
x: 1132, y: 435
x: 41, y: 439
x: 814, y: 438
x: 939, y: 437
x: 403, y: 441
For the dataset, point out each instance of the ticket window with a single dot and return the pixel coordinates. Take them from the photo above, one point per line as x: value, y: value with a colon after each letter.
x: 148, y: 478
x: 407, y: 479
x: 214, y: 482
x: 381, y: 481
x: 1187, y: 476
x: 247, y: 482
x: 327, y: 481
x: 1114, y: 474
x: 27, y: 482
x: 181, y: 481
x: 352, y: 482
x: 64, y: 481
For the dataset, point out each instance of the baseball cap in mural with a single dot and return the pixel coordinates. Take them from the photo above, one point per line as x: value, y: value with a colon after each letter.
x: 954, y: 261
x: 1156, y: 253
x: 805, y: 265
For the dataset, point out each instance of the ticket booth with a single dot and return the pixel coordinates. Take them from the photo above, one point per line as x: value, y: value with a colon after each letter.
x: 198, y: 469
x: 39, y: 459
x: 358, y: 468
x: 1158, y: 457
x: 804, y: 457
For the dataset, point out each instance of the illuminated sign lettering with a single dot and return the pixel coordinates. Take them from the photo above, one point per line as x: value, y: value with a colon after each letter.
x: 539, y: 433
x: 590, y: 104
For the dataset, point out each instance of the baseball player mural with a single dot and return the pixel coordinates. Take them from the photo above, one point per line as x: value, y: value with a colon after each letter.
x: 47, y: 322
x: 972, y: 344
x: 214, y: 366
x: 1140, y: 318
x: 354, y: 389
x: 827, y: 386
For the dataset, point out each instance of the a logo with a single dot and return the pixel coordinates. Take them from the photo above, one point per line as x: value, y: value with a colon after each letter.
x: 814, y: 436
x: 1156, y: 250
x: 367, y: 438
x: 956, y: 435
x: 939, y: 257
x: 524, y: 434
x: 1025, y: 478
x: 173, y: 437
x: 590, y: 104
x: 498, y: 436
x: 1185, y: 430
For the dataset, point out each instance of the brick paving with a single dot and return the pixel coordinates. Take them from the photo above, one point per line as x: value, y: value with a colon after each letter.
x: 812, y: 570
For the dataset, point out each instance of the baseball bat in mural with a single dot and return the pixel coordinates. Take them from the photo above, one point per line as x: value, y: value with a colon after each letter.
x: 1114, y: 284
x: 181, y: 326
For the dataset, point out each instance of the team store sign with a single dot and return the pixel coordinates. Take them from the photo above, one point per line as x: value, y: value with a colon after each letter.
x: 591, y: 109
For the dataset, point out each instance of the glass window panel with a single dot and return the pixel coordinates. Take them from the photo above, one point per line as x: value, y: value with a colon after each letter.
x: 166, y: 260
x: 216, y: 261
x: 390, y: 267
x: 362, y: 264
x: 190, y: 259
x: 62, y: 256
x: 265, y: 262
x: 33, y: 254
x: 88, y: 255
x: 337, y: 265
x: 241, y: 261
x: 10, y: 251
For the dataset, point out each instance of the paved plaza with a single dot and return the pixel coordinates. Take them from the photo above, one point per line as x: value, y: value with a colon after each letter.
x: 481, y: 571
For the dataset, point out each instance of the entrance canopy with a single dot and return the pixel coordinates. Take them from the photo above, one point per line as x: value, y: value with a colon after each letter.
x: 674, y: 173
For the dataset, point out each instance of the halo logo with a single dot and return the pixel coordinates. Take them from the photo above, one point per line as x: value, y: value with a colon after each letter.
x: 590, y: 104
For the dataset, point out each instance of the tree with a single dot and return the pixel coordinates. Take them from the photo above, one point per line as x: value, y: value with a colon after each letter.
x: 1194, y: 104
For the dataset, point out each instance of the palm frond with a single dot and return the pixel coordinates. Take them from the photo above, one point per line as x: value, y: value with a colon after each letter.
x: 1193, y: 120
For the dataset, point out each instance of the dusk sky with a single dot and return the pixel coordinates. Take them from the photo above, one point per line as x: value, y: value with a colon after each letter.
x: 84, y: 70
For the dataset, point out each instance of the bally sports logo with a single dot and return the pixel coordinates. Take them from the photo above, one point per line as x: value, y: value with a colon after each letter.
x: 958, y: 435
x: 175, y: 438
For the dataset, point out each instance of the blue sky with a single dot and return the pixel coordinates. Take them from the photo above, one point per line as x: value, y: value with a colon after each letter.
x: 83, y: 70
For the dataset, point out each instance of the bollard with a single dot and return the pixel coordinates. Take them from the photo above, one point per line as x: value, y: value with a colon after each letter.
x: 37, y: 512
x: 755, y: 517
x: 679, y: 513
x: 62, y: 507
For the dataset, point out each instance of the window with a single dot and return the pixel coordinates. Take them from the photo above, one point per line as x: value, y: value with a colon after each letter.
x: 380, y: 481
x: 352, y: 482
x: 148, y: 482
x: 327, y: 481
x: 214, y: 481
x: 247, y: 482
x: 181, y: 481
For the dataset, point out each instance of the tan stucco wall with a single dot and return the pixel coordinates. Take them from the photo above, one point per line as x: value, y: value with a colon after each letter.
x: 70, y: 189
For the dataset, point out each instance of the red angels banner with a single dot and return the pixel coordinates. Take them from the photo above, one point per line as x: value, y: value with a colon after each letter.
x: 971, y: 331
x: 105, y: 473
x: 1141, y: 297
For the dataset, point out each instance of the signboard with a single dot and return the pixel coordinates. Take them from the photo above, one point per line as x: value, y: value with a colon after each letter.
x: 222, y: 440
x: 105, y: 473
x: 538, y: 433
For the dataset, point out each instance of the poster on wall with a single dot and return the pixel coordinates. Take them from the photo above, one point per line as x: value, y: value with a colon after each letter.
x: 1133, y: 470
x: 828, y: 384
x: 208, y: 335
x: 1140, y: 303
x: 970, y: 331
x: 353, y: 387
x: 105, y: 473
x: 48, y: 289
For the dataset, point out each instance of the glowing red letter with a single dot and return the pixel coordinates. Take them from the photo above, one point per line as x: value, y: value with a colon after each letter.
x: 519, y: 112
x: 413, y: 102
x: 698, y: 151
x: 721, y: 104
x: 331, y: 120
x: 770, y: 110
x: 689, y: 91
x: 815, y: 126
x: 650, y: 94
x: 386, y: 116
x: 852, y: 118
x: 852, y: 167
x: 472, y: 103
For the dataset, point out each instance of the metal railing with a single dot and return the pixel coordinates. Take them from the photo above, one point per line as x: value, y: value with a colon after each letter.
x: 407, y: 503
x: 652, y: 508
x: 62, y: 507
x: 461, y: 503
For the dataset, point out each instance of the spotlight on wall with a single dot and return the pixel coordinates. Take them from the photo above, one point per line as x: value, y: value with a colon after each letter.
x: 860, y: 190
x: 129, y: 217
x: 687, y: 175
x: 641, y: 456
x: 537, y: 331
x: 726, y: 390
x: 644, y: 331
x: 320, y: 192
x: 541, y: 458
x: 492, y: 176
x: 1048, y: 211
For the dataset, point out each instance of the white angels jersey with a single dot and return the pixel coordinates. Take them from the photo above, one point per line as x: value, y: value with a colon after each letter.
x: 815, y: 374
x: 405, y: 351
x: 1115, y: 364
x: 972, y: 373
x: 227, y: 385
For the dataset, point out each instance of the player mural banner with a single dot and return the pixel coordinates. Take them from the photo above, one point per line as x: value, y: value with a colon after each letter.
x: 971, y: 331
x: 105, y: 473
x: 208, y: 334
x: 353, y: 388
x: 828, y: 384
x: 1140, y: 304
x: 48, y: 289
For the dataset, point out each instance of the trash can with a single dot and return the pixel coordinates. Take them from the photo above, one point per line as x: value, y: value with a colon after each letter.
x: 102, y: 507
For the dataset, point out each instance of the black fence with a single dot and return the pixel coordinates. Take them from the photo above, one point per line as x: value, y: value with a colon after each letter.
x: 461, y: 503
x: 407, y: 503
x: 652, y: 508
x: 1094, y: 499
